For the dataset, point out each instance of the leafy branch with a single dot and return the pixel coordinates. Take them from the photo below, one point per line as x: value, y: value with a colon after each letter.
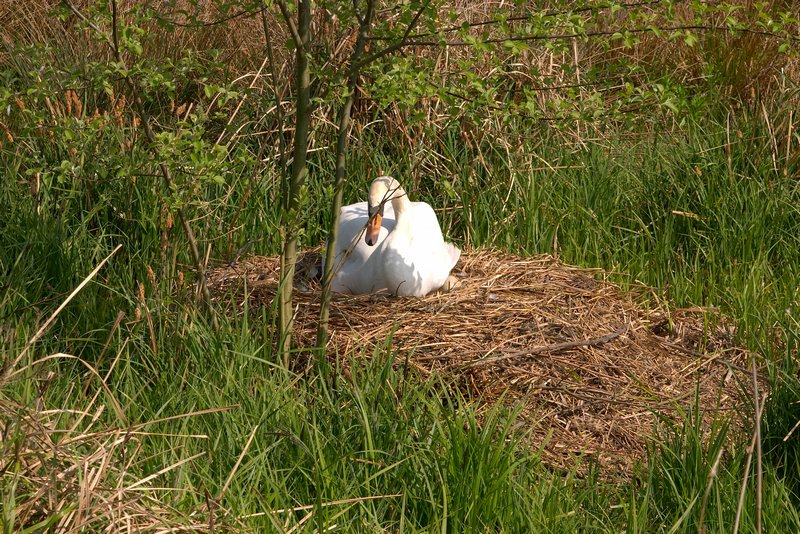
x: 166, y: 175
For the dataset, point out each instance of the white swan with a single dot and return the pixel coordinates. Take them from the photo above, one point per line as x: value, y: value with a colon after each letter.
x: 402, y: 250
x: 355, y: 271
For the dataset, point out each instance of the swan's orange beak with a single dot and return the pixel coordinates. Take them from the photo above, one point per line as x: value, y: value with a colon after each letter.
x: 373, y: 229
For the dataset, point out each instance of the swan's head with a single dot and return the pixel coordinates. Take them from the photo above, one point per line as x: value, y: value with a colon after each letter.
x: 382, y: 190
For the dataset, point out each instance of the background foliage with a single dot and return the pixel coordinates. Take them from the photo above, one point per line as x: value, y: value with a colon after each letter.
x: 657, y: 140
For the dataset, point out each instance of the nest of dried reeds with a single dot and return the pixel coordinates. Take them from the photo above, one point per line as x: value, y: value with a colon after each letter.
x: 591, y: 364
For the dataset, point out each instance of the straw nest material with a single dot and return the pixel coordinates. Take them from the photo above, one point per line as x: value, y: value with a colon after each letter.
x: 590, y: 364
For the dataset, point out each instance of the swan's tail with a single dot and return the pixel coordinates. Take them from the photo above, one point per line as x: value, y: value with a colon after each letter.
x: 454, y: 252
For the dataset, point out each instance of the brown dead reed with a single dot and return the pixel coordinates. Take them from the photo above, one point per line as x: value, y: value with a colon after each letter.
x: 591, y: 366
x: 86, y: 477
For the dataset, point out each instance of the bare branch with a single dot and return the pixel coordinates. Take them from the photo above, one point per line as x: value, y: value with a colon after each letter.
x: 287, y: 17
x: 216, y: 22
x: 555, y: 347
x: 603, y: 33
x: 397, y: 46
x: 91, y: 24
x: 524, y: 18
x: 341, y: 154
x: 299, y: 172
x: 114, y: 34
x: 357, y: 12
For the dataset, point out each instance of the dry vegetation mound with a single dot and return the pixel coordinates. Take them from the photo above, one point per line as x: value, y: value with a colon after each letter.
x: 590, y: 364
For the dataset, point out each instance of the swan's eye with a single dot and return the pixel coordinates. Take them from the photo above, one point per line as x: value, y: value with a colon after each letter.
x: 372, y: 210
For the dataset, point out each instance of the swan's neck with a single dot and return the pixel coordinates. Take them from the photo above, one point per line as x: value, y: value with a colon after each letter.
x: 400, y: 202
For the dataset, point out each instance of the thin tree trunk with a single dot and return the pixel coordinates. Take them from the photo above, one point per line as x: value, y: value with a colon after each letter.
x: 278, y: 94
x: 341, y: 152
x: 298, y: 175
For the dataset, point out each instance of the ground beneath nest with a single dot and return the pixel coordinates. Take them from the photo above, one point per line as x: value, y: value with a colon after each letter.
x: 589, y: 363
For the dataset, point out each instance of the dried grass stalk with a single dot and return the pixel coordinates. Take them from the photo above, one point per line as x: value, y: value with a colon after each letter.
x: 85, y: 479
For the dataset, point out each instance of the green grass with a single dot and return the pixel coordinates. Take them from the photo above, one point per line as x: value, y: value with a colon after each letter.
x: 432, y: 463
x: 380, y: 449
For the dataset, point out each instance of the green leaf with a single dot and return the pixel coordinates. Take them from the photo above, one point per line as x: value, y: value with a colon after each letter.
x: 670, y: 105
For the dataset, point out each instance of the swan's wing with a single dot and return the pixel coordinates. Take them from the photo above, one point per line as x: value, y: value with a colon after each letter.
x: 357, y: 267
x: 353, y: 219
x: 417, y: 260
x: 353, y: 211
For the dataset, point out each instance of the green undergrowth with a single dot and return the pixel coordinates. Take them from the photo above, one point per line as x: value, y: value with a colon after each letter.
x: 375, y: 448
x: 707, y: 216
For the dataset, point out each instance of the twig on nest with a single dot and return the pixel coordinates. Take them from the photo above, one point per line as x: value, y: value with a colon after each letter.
x: 555, y: 347
x: 714, y: 359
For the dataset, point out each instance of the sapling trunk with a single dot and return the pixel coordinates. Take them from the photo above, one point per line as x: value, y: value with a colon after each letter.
x: 301, y: 33
x: 341, y: 153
